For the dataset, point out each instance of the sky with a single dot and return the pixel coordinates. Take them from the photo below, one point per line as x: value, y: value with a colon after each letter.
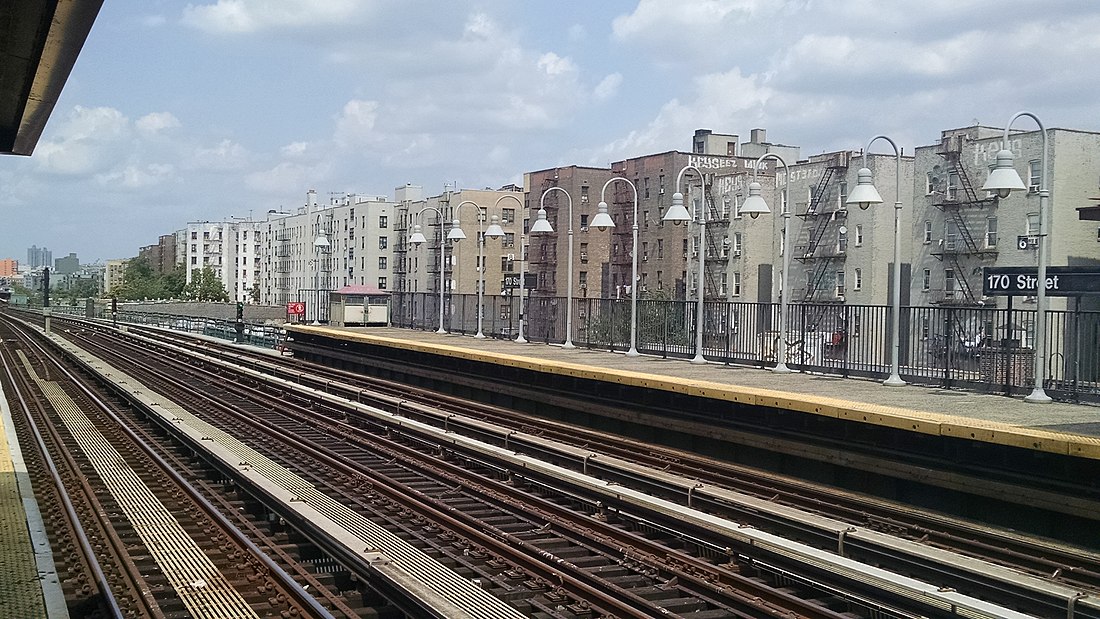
x: 201, y: 111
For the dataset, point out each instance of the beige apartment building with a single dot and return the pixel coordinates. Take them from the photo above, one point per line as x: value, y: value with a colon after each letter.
x: 958, y: 229
x: 326, y: 247
x: 417, y: 268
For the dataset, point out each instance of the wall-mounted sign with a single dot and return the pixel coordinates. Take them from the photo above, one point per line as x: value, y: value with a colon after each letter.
x: 1023, y: 281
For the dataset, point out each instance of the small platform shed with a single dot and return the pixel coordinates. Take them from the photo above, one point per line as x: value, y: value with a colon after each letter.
x: 359, y: 306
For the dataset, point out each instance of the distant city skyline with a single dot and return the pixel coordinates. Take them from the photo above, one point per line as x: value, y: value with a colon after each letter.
x: 206, y: 110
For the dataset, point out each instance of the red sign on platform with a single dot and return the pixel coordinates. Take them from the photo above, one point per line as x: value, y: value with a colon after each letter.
x: 296, y: 309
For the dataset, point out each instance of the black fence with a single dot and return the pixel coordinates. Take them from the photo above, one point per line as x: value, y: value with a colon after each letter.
x: 980, y: 348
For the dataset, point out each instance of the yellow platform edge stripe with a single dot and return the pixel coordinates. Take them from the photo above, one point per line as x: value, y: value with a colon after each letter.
x: 887, y: 416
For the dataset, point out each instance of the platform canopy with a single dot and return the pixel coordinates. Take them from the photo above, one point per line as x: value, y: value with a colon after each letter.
x: 39, y: 43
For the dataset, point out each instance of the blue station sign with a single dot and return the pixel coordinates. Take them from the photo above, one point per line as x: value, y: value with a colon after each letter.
x: 1023, y: 281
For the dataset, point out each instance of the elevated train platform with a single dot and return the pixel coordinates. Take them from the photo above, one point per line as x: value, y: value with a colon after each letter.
x: 932, y: 447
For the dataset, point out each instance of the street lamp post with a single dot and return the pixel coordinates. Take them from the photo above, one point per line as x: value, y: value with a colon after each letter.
x: 865, y: 195
x: 753, y: 209
x: 1004, y: 179
x: 603, y: 221
x: 319, y: 245
x: 456, y: 234
x: 541, y: 225
x: 677, y: 214
x: 417, y: 239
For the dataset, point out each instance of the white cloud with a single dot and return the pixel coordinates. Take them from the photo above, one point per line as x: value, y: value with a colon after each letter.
x: 152, y: 124
x: 726, y: 100
x: 137, y: 176
x: 225, y: 155
x: 84, y: 141
x: 608, y: 87
x: 356, y: 123
x: 246, y: 16
x: 555, y: 65
x: 286, y: 178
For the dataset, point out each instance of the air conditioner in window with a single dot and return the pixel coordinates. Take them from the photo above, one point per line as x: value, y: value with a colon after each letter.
x: 737, y: 253
x: 511, y: 256
x: 1033, y: 189
x: 695, y: 254
x: 584, y: 286
x: 645, y: 258
x: 584, y: 228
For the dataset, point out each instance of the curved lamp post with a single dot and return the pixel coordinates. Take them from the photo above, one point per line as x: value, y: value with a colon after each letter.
x: 417, y: 239
x: 603, y: 221
x: 519, y: 338
x: 541, y: 225
x: 755, y: 204
x: 678, y: 214
x: 319, y: 245
x: 865, y: 195
x: 456, y: 234
x: 1003, y: 180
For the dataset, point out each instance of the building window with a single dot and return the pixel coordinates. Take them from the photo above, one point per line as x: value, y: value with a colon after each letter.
x: 584, y: 223
x: 1034, y: 175
x: 509, y: 240
x: 842, y: 240
x: 736, y: 283
x: 660, y: 248
x: 1033, y: 224
x: 927, y: 231
x: 722, y: 290
x: 584, y: 252
x: 949, y: 283
x: 926, y: 281
x: 929, y: 185
x: 194, y: 260
x: 858, y: 283
x: 840, y: 283
x: 859, y: 235
x: 383, y: 242
x: 738, y: 244
x: 991, y: 232
x: 382, y: 263
x: 925, y: 328
x: 194, y: 236
x: 952, y: 185
x: 381, y: 283
x: 507, y: 215
x: 383, y: 221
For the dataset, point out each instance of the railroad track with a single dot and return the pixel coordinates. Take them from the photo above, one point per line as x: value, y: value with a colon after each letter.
x: 330, y: 385
x: 552, y: 551
x: 1072, y: 572
x: 135, y: 538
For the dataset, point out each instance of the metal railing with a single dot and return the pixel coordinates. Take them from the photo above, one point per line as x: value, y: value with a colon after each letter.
x: 979, y: 348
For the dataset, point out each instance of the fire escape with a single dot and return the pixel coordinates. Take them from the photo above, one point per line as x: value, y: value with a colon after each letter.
x: 430, y: 220
x: 718, y: 244
x: 401, y: 248
x: 962, y: 210
x: 822, y: 240
x: 282, y: 264
x: 542, y: 249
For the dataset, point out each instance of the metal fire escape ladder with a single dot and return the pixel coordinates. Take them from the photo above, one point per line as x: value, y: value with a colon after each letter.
x: 717, y: 226
x: 962, y: 279
x: 814, y: 285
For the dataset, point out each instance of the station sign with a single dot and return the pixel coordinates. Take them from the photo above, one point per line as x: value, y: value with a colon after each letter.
x: 296, y: 309
x: 511, y: 281
x: 1023, y: 281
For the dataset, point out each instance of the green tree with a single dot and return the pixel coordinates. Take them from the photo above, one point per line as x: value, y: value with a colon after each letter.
x: 205, y: 286
x: 139, y: 281
x: 82, y: 289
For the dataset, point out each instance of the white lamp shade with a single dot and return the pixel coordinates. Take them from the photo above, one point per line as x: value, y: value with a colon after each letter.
x: 417, y: 236
x: 865, y: 194
x: 494, y: 230
x: 321, y: 240
x: 1003, y: 179
x: 754, y: 205
x: 541, y: 225
x: 677, y: 213
x: 456, y: 233
x: 602, y: 221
